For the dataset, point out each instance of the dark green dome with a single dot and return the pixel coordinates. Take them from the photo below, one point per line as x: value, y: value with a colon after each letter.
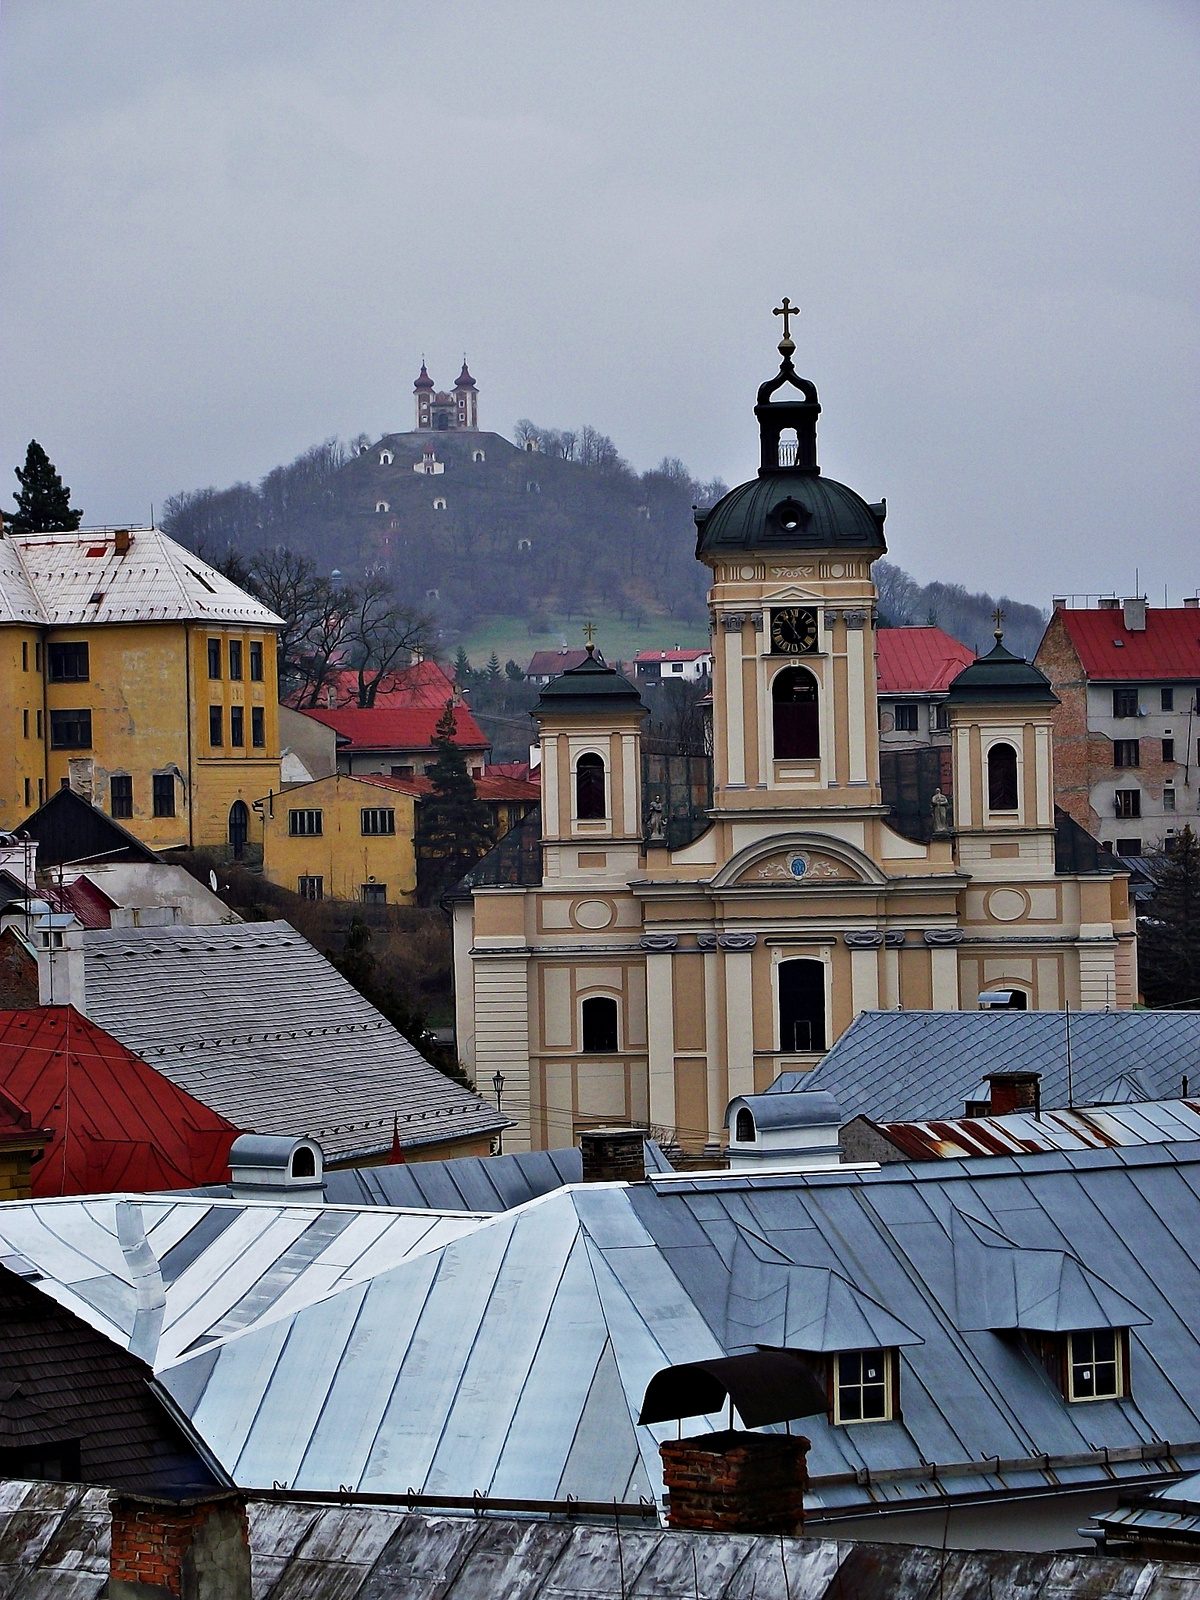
x: 999, y: 678
x: 590, y: 687
x: 790, y: 506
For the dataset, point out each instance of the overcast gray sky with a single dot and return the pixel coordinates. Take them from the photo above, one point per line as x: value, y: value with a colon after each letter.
x: 231, y: 230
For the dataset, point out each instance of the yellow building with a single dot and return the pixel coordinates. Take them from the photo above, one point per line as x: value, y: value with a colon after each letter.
x: 343, y: 838
x: 141, y: 677
x: 609, y: 971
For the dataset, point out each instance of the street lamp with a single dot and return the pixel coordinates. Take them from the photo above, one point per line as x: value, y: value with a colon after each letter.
x: 498, y: 1085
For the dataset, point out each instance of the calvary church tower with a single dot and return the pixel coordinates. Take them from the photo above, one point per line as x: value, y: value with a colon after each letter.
x: 646, y: 961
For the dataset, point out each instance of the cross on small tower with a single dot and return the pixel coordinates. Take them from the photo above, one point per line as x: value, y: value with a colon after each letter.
x: 787, y: 311
x: 589, y: 631
x: 998, y: 619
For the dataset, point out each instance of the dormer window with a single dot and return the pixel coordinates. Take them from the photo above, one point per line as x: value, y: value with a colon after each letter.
x: 864, y: 1386
x: 744, y: 1130
x: 1096, y: 1362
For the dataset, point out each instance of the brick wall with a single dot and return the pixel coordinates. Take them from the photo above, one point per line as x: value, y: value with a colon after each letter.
x: 1074, y: 756
x: 198, y: 1551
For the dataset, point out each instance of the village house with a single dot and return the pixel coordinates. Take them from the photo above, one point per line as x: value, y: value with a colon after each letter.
x: 398, y: 742
x: 139, y: 676
x: 914, y: 668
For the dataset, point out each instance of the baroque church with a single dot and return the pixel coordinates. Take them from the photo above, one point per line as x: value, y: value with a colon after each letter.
x: 609, y: 967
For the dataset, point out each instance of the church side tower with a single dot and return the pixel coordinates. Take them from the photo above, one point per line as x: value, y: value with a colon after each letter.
x: 423, y: 397
x: 793, y: 611
x: 466, y: 399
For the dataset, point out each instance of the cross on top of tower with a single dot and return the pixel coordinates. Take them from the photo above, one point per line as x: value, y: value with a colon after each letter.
x: 787, y: 311
x: 998, y: 619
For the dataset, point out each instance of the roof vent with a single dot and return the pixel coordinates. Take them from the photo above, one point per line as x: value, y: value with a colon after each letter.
x: 274, y: 1167
x: 1108, y: 603
x: 1135, y: 614
x: 1192, y: 602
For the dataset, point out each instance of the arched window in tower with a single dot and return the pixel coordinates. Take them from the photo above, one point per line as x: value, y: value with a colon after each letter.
x: 599, y: 1015
x: 801, y: 1005
x: 796, y: 718
x: 304, y: 1163
x: 788, y: 445
x: 743, y: 1127
x: 239, y: 827
x: 1002, y: 778
x: 589, y: 788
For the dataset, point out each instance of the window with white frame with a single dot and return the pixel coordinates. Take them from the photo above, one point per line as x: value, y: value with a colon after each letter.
x: 377, y: 820
x: 304, y: 824
x: 310, y: 888
x: 863, y: 1383
x: 1096, y: 1364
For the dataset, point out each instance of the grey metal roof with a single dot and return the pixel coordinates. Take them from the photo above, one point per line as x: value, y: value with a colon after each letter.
x: 54, y: 1545
x: 910, y: 1065
x: 1084, y: 1128
x: 255, y: 1023
x: 509, y: 1354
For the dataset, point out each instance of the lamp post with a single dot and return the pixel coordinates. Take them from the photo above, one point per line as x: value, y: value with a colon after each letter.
x: 498, y: 1085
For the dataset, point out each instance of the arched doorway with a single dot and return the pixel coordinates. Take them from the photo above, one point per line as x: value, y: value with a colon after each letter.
x: 802, y: 1005
x: 796, y: 718
x: 239, y: 827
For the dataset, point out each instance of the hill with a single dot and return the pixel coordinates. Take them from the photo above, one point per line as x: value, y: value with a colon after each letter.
x: 512, y: 546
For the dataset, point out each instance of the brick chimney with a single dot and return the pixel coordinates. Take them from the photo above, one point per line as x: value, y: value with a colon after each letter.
x: 736, y: 1482
x: 1014, y: 1091
x: 192, y: 1548
x: 613, y: 1155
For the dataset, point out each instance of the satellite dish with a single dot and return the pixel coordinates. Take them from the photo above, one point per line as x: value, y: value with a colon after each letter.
x: 212, y: 880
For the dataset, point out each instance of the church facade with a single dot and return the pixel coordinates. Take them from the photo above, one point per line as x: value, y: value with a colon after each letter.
x: 606, y: 974
x: 449, y: 410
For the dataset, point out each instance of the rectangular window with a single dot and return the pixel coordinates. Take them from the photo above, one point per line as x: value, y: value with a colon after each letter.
x: 214, y: 658
x: 1126, y: 753
x: 862, y: 1386
x: 304, y: 824
x: 237, y: 726
x: 1096, y: 1364
x: 68, y: 663
x: 374, y: 894
x: 941, y: 716
x: 310, y: 888
x: 1168, y: 699
x: 215, y: 726
x: 906, y: 717
x: 37, y: 658
x: 378, y: 820
x: 1125, y: 702
x: 164, y: 794
x: 256, y: 661
x: 70, y: 730
x: 258, y: 727
x: 39, y: 724
x: 120, y: 789
x: 1168, y: 799
x: 1129, y: 847
x: 1128, y: 803
x: 402, y: 772
x: 26, y: 791
x: 24, y: 655
x: 41, y: 790
x: 235, y: 659
x: 1168, y: 750
x: 25, y: 723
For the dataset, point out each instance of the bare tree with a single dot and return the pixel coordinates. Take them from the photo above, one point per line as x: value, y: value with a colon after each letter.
x: 382, y: 633
x: 292, y: 587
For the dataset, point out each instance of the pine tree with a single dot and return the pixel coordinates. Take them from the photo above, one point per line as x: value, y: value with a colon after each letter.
x: 462, y: 669
x: 514, y: 672
x: 44, y: 501
x: 454, y: 828
x: 1169, y: 930
x: 493, y: 668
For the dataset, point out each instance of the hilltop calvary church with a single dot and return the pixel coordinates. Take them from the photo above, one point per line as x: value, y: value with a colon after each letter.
x: 609, y: 972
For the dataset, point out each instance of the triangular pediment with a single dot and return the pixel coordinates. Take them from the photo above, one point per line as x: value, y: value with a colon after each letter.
x: 793, y: 592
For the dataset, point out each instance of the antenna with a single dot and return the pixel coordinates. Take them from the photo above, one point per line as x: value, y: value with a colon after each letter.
x: 1070, y: 1078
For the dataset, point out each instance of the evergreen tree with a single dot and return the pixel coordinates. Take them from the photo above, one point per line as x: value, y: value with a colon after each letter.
x: 462, y: 668
x: 44, y: 501
x: 1169, y: 930
x: 514, y: 672
x: 454, y: 828
x: 493, y: 668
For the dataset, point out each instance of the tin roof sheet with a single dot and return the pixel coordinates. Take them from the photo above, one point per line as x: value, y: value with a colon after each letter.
x: 80, y: 577
x: 918, y: 660
x: 1083, y: 1128
x: 1166, y: 650
x: 896, y: 1066
x: 255, y: 1023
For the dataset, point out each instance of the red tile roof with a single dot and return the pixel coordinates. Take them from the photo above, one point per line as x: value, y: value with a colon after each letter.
x: 918, y: 660
x: 410, y: 729
x: 1168, y: 650
x: 425, y: 683
x: 117, y: 1124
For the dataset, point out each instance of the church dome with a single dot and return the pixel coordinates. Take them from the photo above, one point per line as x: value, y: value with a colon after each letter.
x: 423, y: 380
x: 789, y: 506
x: 592, y: 686
x: 1000, y: 678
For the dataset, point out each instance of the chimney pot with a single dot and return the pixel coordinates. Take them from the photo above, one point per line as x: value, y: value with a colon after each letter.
x: 1108, y: 603
x: 1192, y: 602
x: 735, y: 1482
x: 122, y: 539
x: 1014, y: 1091
x: 613, y: 1155
x: 196, y: 1546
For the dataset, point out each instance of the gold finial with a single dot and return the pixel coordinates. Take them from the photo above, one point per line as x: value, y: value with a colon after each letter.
x: 589, y: 633
x: 998, y: 619
x: 787, y: 311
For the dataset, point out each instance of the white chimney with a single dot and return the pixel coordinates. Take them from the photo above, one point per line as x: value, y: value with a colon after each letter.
x: 60, y: 958
x: 1135, y: 614
x: 1192, y: 602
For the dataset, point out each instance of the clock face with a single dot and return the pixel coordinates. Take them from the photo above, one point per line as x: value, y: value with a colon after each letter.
x: 793, y: 631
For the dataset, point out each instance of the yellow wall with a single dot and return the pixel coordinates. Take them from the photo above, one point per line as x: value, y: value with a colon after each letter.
x: 341, y: 855
x: 149, y: 694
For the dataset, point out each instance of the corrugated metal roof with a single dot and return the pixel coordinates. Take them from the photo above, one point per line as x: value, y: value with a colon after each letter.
x: 1167, y: 650
x: 907, y: 1065
x: 1084, y: 1128
x: 918, y: 660
x: 79, y: 577
x: 55, y: 1540
x: 255, y: 1023
x: 509, y: 1354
